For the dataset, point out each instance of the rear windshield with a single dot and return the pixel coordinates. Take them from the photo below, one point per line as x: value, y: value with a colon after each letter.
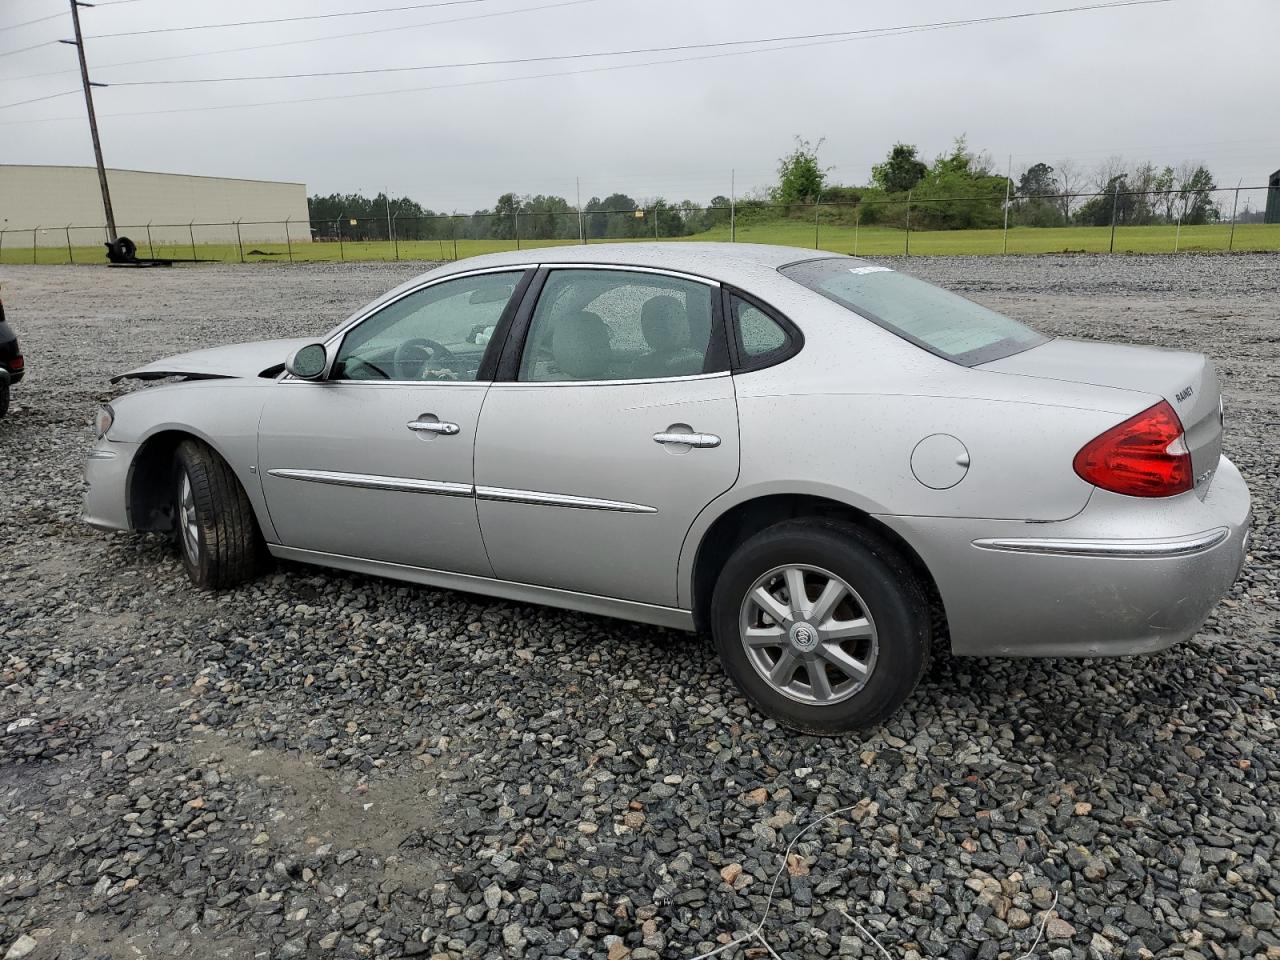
x: 928, y: 316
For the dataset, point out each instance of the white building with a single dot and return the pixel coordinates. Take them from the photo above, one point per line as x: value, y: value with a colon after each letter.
x: 39, y: 202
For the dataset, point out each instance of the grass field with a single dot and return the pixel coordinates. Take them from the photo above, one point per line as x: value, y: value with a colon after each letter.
x: 839, y: 238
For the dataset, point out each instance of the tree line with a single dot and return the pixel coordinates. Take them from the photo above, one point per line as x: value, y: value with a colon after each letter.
x: 960, y: 189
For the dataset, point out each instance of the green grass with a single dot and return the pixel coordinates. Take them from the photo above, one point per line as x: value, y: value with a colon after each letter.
x: 835, y: 237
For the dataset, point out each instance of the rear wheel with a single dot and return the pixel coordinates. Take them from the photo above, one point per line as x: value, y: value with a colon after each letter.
x: 214, y: 525
x: 821, y: 624
x: 4, y: 396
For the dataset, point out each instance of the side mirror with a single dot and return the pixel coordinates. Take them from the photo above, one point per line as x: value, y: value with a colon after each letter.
x: 308, y: 362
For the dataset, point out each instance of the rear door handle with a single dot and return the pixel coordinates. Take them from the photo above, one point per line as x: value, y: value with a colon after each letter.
x: 688, y: 439
x: 442, y: 427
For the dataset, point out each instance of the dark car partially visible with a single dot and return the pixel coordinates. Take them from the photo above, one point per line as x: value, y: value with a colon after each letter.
x: 12, y: 366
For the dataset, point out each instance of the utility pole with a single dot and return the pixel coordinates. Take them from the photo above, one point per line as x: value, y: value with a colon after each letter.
x: 78, y: 43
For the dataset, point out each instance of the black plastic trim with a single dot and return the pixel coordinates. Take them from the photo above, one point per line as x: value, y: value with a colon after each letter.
x: 491, y: 361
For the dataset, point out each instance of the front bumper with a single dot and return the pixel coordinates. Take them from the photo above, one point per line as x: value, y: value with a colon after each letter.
x: 1123, y: 576
x: 106, y: 475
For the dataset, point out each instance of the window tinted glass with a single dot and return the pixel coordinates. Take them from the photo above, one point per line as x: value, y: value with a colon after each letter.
x: 928, y: 316
x: 757, y: 331
x: 618, y: 325
x: 439, y: 333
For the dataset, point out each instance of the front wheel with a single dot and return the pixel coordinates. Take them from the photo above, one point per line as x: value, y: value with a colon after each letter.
x: 821, y: 624
x: 214, y: 524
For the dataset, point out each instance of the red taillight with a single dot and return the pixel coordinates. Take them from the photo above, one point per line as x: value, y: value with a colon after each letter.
x: 1146, y: 456
x: 16, y: 363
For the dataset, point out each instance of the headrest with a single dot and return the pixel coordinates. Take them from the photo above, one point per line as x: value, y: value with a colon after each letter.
x: 664, y: 323
x: 580, y: 345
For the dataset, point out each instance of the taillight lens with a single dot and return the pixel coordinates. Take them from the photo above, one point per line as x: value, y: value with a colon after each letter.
x: 17, y: 363
x: 1146, y: 456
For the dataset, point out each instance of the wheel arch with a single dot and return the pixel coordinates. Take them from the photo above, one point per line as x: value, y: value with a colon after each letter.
x: 149, y: 496
x: 719, y: 535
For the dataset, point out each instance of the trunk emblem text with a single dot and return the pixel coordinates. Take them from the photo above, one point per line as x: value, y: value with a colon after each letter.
x: 1183, y: 394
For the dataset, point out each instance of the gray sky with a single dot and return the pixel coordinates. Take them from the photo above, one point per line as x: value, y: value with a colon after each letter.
x: 1184, y: 80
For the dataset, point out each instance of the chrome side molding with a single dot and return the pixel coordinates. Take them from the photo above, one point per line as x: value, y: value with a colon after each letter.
x: 1151, y: 549
x: 371, y: 481
x: 507, y: 495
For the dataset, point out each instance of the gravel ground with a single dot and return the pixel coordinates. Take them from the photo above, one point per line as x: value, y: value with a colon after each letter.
x: 320, y: 764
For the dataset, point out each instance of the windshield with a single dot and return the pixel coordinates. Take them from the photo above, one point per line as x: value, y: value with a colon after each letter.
x: 928, y: 316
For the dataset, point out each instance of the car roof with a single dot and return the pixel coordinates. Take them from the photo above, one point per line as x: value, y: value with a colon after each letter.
x: 717, y: 261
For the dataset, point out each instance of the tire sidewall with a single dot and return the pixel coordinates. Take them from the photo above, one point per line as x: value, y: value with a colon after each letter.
x: 894, y: 599
x: 185, y: 464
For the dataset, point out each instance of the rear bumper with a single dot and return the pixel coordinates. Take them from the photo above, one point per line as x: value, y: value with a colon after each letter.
x: 106, y: 475
x: 1124, y: 576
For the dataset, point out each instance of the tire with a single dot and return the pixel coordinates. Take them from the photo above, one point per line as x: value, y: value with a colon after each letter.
x: 214, y: 526
x: 4, y: 395
x: 865, y: 655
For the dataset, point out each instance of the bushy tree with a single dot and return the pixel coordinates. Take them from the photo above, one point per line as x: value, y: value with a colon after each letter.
x: 800, y: 176
x: 901, y: 171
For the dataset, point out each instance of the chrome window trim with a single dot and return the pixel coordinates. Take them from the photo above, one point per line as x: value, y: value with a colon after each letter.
x: 1150, y: 549
x: 509, y: 495
x: 628, y: 268
x: 371, y: 481
x: 608, y: 383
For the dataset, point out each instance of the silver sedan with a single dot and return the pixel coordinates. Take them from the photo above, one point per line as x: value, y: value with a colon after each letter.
x: 828, y: 465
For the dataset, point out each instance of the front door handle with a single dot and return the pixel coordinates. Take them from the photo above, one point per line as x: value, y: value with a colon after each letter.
x: 688, y: 439
x: 442, y: 427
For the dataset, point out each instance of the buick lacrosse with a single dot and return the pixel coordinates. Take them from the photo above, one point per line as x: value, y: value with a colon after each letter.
x: 826, y: 464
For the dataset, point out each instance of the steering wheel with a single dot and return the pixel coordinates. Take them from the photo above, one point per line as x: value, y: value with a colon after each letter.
x: 420, y: 351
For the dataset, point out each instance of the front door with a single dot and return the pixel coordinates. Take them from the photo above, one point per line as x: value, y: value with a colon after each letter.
x: 618, y: 428
x: 375, y: 461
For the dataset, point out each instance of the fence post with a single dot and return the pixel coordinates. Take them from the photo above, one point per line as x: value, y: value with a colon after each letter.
x: 1231, y: 237
x: 857, y: 218
x: 733, y: 203
x: 2, y: 233
x: 239, y: 242
x: 191, y: 232
x: 288, y: 239
x: 908, y: 248
x: 815, y: 224
x: 70, y: 256
x: 395, y: 234
x: 516, y: 227
x: 655, y: 220
x: 150, y: 249
x: 454, y: 231
x: 1115, y: 203
x: 34, y: 241
x: 1004, y: 249
x: 1177, y: 234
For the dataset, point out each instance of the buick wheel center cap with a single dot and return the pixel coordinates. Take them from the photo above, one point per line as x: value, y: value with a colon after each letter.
x: 803, y: 636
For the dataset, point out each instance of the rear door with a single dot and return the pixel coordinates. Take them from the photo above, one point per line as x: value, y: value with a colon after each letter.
x: 612, y: 423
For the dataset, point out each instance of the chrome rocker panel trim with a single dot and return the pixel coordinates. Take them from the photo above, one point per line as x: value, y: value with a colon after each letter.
x: 1149, y: 549
x: 504, y: 589
x: 375, y: 482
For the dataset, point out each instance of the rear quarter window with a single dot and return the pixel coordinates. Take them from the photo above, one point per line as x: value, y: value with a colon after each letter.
x: 937, y: 320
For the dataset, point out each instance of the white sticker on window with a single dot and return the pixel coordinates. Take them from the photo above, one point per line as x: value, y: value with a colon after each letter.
x: 862, y: 270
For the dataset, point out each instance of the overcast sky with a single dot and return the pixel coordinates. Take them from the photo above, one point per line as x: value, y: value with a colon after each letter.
x: 1183, y: 80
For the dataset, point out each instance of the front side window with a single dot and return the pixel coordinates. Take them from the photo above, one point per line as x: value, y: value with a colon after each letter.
x: 928, y: 316
x: 621, y: 325
x: 438, y: 333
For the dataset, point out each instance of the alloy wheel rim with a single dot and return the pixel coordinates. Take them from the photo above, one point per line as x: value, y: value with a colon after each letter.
x: 808, y: 634
x: 189, y: 525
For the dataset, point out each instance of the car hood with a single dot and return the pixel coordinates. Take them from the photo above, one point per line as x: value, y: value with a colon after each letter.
x: 235, y: 360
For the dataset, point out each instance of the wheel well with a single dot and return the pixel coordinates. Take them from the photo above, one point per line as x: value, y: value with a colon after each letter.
x: 150, y: 478
x: 747, y: 519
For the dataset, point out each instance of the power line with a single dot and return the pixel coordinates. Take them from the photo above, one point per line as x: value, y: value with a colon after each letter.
x: 34, y: 46
x: 309, y: 16
x: 846, y: 37
x: 621, y: 53
x: 27, y: 23
x: 51, y: 96
x: 290, y: 43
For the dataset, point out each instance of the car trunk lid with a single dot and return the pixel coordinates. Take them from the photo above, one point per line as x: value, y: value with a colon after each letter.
x: 1186, y: 380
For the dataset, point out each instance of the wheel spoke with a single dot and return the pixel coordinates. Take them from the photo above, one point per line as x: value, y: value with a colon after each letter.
x: 764, y: 636
x: 857, y: 629
x: 771, y: 605
x: 834, y: 654
x: 827, y: 601
x: 818, y: 681
x: 798, y: 597
x: 785, y: 669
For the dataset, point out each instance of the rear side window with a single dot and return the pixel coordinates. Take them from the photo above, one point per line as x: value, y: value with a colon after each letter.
x: 928, y: 316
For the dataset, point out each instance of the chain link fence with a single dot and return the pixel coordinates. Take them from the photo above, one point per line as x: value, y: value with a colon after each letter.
x: 1104, y: 222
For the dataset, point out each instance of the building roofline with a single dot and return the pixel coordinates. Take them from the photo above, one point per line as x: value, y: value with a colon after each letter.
x: 153, y: 173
